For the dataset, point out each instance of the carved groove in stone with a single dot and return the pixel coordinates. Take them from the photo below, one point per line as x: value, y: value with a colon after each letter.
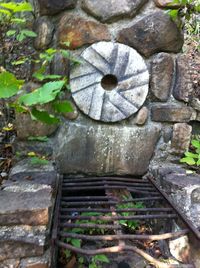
x: 121, y: 61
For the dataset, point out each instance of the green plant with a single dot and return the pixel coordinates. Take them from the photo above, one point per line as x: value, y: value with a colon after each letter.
x: 12, y: 15
x: 37, y: 159
x: 192, y: 158
x: 131, y: 224
x: 187, y: 11
x: 51, y: 90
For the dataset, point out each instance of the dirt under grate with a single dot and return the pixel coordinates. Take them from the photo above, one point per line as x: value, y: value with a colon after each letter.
x: 109, y: 215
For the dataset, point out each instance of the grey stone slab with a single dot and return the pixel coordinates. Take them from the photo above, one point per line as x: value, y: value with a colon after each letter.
x: 108, y: 11
x: 172, y: 113
x: 22, y: 241
x: 34, y: 174
x: 181, y: 138
x: 154, y: 33
x: 183, y: 86
x: 25, y: 207
x: 105, y: 149
x: 162, y: 76
x: 116, y: 61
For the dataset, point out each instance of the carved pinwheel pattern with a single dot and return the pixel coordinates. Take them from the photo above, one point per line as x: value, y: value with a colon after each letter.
x: 107, y: 58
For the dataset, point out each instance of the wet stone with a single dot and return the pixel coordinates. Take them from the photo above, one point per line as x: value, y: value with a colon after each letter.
x: 109, y: 11
x: 79, y: 31
x: 31, y: 208
x: 162, y: 76
x: 181, y: 138
x: 107, y: 86
x: 44, y: 29
x: 51, y: 7
x: 153, y: 33
x: 172, y: 113
x: 22, y: 241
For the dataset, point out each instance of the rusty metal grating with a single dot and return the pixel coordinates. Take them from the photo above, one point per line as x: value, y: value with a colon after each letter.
x: 101, y: 205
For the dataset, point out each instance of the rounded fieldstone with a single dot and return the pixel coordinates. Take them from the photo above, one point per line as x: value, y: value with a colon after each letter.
x: 109, y: 11
x: 112, y: 82
x: 44, y: 29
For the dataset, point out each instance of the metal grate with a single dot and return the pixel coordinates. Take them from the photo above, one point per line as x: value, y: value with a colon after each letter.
x: 103, y: 204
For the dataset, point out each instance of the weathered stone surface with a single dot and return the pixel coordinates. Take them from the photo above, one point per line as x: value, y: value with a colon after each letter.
x: 195, y: 103
x: 51, y: 7
x: 154, y: 33
x: 60, y: 65
x: 37, y: 262
x: 181, y: 138
x: 162, y: 76
x: 180, y: 187
x: 180, y: 247
x: 11, y: 263
x: 100, y: 149
x: 167, y: 3
x: 24, y: 171
x: 112, y: 10
x: 79, y: 31
x: 196, y: 195
x: 27, y: 127
x: 172, y: 113
x: 44, y: 29
x: 183, y: 86
x: 22, y: 241
x: 125, y: 86
x: 142, y: 116
x: 25, y: 208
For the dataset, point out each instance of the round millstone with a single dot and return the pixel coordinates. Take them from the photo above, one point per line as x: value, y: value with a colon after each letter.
x: 111, y: 83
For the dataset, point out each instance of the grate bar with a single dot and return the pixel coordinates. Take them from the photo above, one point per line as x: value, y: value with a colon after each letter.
x: 126, y: 237
x: 116, y: 210
x: 76, y: 197
x: 116, y: 218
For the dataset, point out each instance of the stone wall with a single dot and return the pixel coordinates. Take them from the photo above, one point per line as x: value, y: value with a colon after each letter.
x: 117, y: 132
x: 143, y: 122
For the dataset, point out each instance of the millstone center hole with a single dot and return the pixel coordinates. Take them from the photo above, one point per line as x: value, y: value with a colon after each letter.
x: 109, y: 82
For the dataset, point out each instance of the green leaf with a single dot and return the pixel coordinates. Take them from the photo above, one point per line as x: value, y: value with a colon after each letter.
x: 11, y: 33
x: 20, y: 37
x: 62, y: 106
x: 38, y: 138
x: 19, y: 62
x: 44, y: 117
x: 17, y: 7
x: 18, y: 20
x: 189, y: 154
x: 28, y: 33
x: 187, y: 160
x: 5, y: 12
x: 198, y: 162
x: 9, y: 85
x: 38, y: 161
x: 196, y: 144
x: 102, y: 258
x: 42, y: 95
x: 76, y: 242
